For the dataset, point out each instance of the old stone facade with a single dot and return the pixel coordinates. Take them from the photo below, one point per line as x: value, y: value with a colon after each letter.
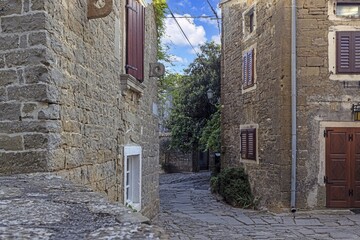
x: 66, y: 104
x: 324, y: 98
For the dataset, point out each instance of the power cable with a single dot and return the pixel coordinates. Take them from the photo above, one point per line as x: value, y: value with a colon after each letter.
x: 182, y: 31
x: 216, y: 15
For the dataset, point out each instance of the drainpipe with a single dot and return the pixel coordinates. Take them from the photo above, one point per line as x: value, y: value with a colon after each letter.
x: 293, y: 107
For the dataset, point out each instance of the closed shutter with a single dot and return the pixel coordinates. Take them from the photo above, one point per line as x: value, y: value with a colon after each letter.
x: 250, y: 80
x: 357, y: 52
x: 348, y: 52
x: 248, y: 143
x: 243, y: 139
x: 135, y: 39
x: 251, y: 144
x: 244, y: 73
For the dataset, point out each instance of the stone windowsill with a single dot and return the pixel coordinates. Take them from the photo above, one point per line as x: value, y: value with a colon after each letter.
x: 130, y: 83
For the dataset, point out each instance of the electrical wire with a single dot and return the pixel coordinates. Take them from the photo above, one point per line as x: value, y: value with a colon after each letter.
x: 216, y: 15
x: 182, y: 31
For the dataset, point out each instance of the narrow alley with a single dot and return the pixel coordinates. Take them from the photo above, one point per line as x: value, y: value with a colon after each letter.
x: 190, y: 211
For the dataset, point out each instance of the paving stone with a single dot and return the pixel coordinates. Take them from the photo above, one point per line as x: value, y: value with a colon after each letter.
x: 307, y: 222
x: 201, y: 216
x: 45, y: 206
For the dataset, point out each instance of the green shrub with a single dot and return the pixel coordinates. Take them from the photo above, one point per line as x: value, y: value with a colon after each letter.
x: 233, y: 185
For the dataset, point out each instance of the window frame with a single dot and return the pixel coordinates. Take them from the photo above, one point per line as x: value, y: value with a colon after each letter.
x: 344, y: 3
x: 133, y: 176
x: 332, y: 58
x: 245, y: 154
x: 332, y: 8
x: 249, y: 22
x: 248, y: 69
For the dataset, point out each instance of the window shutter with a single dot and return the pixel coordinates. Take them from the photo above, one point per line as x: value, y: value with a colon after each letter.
x: 243, y: 139
x: 251, y: 154
x: 348, y: 52
x: 343, y: 48
x: 250, y: 80
x: 135, y: 39
x: 248, y: 143
x: 244, y: 73
x: 357, y: 52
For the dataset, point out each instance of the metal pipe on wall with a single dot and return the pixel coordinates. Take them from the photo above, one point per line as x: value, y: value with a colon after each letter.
x: 293, y: 108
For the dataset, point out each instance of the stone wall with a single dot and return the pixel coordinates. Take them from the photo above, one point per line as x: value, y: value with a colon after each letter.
x: 175, y: 160
x: 267, y: 105
x: 65, y: 108
x: 322, y: 99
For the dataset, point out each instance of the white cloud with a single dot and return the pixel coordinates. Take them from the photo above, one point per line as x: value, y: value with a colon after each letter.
x: 173, y: 35
x: 216, y: 39
x: 218, y: 11
x: 211, y: 21
x: 177, y: 59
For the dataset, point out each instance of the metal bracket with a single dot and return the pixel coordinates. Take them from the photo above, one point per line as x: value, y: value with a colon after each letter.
x: 99, y: 8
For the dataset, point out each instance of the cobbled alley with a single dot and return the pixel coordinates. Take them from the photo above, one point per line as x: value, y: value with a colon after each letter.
x: 190, y: 211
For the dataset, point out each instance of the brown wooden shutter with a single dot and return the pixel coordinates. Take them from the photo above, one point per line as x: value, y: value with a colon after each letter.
x: 348, y: 52
x: 135, y: 39
x: 248, y: 143
x: 251, y: 154
x: 243, y: 139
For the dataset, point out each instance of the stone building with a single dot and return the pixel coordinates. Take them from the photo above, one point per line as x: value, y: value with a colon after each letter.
x: 76, y: 97
x: 257, y: 84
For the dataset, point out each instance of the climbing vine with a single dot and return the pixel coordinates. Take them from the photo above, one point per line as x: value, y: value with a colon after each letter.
x: 160, y: 7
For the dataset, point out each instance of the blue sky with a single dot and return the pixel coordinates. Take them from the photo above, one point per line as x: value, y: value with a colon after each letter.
x: 198, y: 30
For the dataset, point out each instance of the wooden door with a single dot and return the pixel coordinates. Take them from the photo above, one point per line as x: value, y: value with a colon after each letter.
x: 356, y: 169
x: 342, y: 167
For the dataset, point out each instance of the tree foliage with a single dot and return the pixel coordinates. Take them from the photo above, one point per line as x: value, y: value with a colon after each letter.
x: 193, y: 116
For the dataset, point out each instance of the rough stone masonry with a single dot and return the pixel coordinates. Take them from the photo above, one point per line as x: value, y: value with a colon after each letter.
x: 63, y: 107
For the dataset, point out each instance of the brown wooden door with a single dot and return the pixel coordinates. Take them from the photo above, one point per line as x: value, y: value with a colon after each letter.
x: 356, y: 169
x: 342, y: 167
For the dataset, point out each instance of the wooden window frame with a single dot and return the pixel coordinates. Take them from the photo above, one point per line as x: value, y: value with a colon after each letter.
x: 248, y: 143
x: 348, y: 52
x: 135, y: 37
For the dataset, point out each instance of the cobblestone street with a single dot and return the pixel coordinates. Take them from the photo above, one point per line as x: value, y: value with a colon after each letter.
x: 189, y: 211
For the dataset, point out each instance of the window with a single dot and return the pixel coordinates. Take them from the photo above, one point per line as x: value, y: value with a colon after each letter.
x: 248, y: 143
x: 347, y: 9
x: 348, y: 52
x: 135, y: 13
x: 132, y: 176
x: 249, y: 21
x: 248, y: 69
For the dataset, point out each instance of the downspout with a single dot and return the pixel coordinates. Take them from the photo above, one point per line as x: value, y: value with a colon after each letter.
x: 293, y: 107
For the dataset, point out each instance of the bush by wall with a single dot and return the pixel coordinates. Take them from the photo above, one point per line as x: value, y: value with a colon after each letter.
x: 233, y: 185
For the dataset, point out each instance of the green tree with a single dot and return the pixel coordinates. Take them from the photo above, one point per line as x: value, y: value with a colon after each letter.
x: 192, y: 111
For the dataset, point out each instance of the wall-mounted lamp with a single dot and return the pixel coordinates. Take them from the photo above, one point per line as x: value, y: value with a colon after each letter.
x: 356, y: 111
x: 210, y: 94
